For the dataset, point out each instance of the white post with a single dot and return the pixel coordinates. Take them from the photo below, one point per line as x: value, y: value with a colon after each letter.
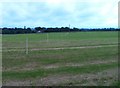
x: 26, y: 45
x: 69, y: 28
x: 0, y: 70
x: 47, y: 37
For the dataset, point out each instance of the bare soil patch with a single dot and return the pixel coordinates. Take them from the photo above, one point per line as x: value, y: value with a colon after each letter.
x: 78, y: 64
x: 104, y: 78
x: 35, y: 66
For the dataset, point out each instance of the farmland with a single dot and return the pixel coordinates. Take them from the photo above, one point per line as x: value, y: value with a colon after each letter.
x: 60, y: 59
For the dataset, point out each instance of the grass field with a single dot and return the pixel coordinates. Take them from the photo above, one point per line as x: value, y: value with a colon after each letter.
x: 60, y: 59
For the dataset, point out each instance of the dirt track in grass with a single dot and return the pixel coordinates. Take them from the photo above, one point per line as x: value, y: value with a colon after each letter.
x: 104, y: 78
x: 61, y: 48
x: 35, y: 66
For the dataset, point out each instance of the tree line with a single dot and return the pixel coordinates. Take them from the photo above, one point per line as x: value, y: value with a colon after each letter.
x: 16, y: 30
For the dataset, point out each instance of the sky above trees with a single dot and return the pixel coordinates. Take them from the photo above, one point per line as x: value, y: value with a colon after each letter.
x: 58, y: 13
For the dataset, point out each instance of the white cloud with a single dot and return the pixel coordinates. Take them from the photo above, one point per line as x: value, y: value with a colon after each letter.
x: 79, y: 13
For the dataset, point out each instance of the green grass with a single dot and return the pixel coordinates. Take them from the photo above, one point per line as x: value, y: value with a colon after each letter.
x: 117, y: 84
x: 60, y: 39
x: 61, y: 70
x: 14, y: 61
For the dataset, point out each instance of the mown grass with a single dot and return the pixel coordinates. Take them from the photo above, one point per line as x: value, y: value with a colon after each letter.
x: 61, y: 70
x: 60, y: 39
x: 19, y: 59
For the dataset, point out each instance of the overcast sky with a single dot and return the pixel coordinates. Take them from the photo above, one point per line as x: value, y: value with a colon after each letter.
x: 58, y: 13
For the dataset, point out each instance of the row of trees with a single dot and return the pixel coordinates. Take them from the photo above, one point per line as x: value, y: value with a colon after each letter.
x: 44, y: 29
x: 16, y: 30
